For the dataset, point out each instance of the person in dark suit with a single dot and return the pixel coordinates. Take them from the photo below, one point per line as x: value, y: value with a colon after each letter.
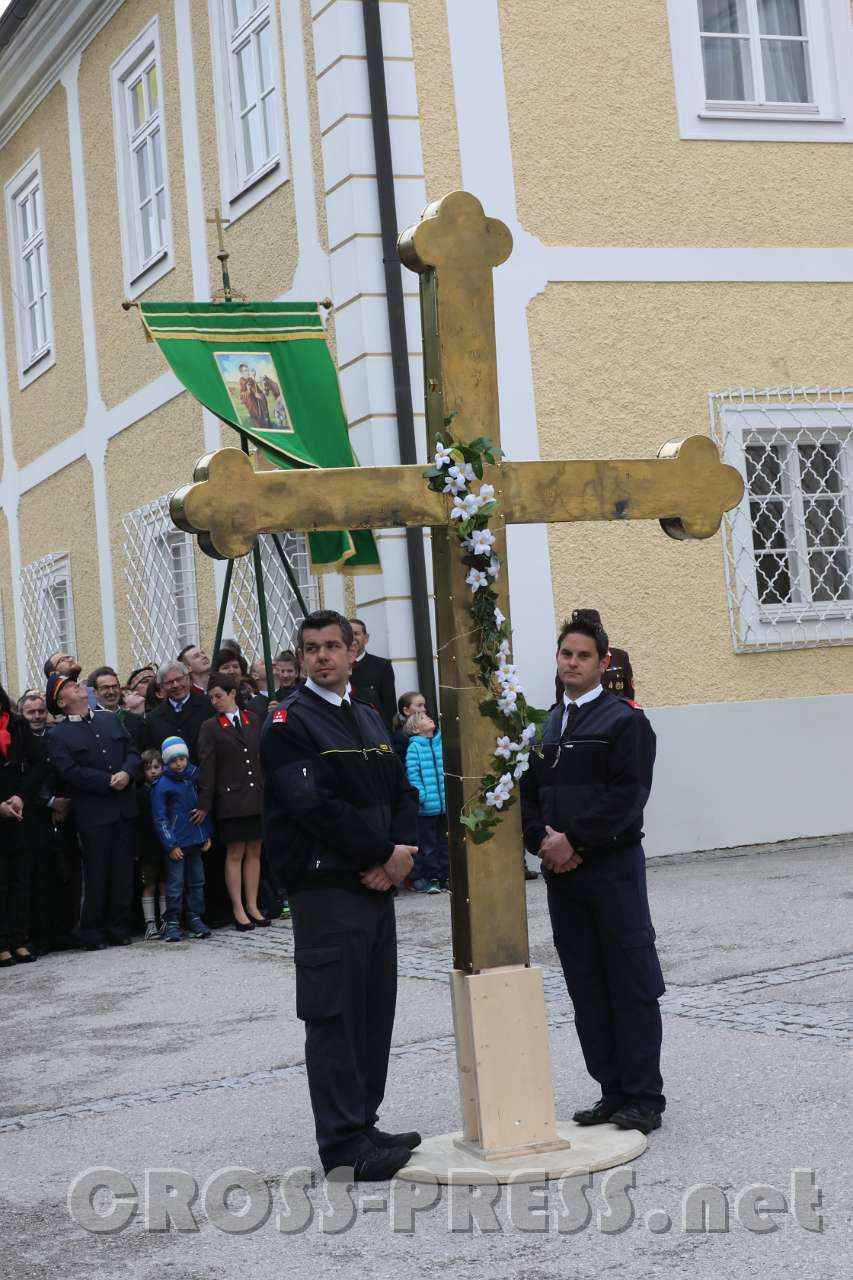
x: 582, y: 803
x: 340, y: 822
x: 96, y: 762
x: 181, y: 713
x: 619, y: 676
x: 21, y: 772
x: 372, y: 677
x: 232, y: 787
x: 106, y: 686
x: 55, y: 903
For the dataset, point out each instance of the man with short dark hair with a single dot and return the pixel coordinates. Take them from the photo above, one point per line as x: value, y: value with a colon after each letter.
x: 582, y: 806
x: 63, y: 663
x: 372, y: 677
x: 198, y: 664
x: 96, y: 762
x: 340, y: 825
x: 105, y: 685
x: 180, y: 714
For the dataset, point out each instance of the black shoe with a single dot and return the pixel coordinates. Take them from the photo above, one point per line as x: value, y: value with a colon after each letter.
x: 96, y: 946
x: 29, y: 958
x: 530, y: 874
x: 260, y: 922
x: 7, y: 964
x: 381, y: 1165
x: 599, y: 1114
x: 243, y: 928
x: 385, y: 1141
x: 634, y: 1117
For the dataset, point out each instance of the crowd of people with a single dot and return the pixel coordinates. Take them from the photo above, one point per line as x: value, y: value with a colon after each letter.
x: 135, y: 807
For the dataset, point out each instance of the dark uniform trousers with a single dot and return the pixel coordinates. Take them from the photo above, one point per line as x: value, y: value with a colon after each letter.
x: 345, y: 951
x: 107, y: 857
x: 605, y: 940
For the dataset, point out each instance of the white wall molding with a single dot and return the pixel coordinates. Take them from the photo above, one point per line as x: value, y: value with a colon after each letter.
x: 94, y: 431
x: 735, y: 773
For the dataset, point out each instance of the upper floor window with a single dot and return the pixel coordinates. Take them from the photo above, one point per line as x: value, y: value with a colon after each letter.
x: 249, y: 100
x: 141, y: 162
x: 789, y: 545
x: 763, y: 69
x: 25, y: 219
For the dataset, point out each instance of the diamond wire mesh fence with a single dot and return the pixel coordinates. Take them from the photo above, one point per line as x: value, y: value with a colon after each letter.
x: 787, y: 548
x: 48, y: 612
x: 159, y: 569
x: 283, y: 610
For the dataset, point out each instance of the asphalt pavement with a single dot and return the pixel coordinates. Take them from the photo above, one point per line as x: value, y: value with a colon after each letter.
x: 173, y: 1076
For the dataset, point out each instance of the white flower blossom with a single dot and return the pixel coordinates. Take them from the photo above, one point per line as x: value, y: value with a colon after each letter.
x: 454, y: 484
x: 507, y: 701
x: 506, y: 671
x: 487, y: 493
x: 467, y: 544
x: 522, y: 764
x: 483, y: 540
x: 495, y: 799
x: 477, y: 579
x: 503, y: 647
x: 528, y: 734
x: 499, y: 617
x: 471, y: 503
x: 505, y: 784
x: 504, y: 748
x: 458, y: 511
x: 493, y: 571
x: 442, y: 455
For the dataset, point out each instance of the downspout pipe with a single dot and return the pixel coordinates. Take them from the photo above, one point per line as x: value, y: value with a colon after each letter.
x: 399, y: 344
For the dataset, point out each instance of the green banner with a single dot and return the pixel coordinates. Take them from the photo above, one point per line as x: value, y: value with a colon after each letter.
x: 265, y: 368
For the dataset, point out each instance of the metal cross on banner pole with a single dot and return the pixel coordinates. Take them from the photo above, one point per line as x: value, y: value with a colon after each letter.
x: 509, y: 1123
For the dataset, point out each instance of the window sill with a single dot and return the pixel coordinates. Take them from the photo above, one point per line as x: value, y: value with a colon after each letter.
x: 35, y: 367
x: 257, y: 188
x: 767, y: 117
x: 150, y: 274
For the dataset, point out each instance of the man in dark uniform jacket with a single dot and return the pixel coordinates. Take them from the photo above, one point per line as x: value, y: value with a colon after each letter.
x: 372, y: 677
x: 96, y: 762
x: 340, y: 824
x: 582, y: 810
x: 181, y: 713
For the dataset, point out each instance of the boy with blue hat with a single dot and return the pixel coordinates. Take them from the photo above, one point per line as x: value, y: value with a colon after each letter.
x: 174, y: 803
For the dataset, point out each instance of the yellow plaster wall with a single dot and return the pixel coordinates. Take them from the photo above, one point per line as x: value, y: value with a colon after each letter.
x: 262, y: 242
x: 149, y: 459
x: 126, y: 361
x: 59, y: 516
x: 52, y: 406
x: 620, y: 369
x: 597, y: 154
x: 436, y: 103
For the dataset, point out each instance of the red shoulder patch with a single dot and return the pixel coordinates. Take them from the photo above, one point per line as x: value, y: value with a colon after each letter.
x: 633, y: 703
x: 280, y: 716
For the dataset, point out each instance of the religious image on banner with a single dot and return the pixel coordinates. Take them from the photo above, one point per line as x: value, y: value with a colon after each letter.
x: 249, y: 378
x: 265, y: 368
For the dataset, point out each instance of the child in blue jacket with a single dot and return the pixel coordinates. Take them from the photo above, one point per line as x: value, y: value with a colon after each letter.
x: 174, y: 798
x: 425, y: 770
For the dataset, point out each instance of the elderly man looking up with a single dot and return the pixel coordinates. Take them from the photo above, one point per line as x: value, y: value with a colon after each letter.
x: 181, y: 713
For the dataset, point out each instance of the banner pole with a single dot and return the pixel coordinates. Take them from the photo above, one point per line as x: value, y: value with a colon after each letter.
x: 291, y: 576
x: 262, y: 600
x: 223, y: 605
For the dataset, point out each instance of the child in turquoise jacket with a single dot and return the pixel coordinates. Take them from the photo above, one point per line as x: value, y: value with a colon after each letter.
x: 425, y: 770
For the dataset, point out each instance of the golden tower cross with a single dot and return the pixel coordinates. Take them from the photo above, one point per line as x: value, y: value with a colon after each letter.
x: 501, y: 1029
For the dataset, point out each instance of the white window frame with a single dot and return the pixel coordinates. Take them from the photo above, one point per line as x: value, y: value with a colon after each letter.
x: 755, y: 625
x: 41, y: 581
x: 829, y: 118
x: 140, y: 272
x: 239, y: 191
x: 32, y: 362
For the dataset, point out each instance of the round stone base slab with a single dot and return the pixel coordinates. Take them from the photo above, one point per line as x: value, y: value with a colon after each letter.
x: 593, y: 1147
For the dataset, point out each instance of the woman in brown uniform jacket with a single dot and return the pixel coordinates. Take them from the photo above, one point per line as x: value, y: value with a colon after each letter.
x: 231, y: 786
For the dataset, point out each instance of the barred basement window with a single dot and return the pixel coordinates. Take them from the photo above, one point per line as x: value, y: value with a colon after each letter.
x: 789, y: 545
x: 283, y: 612
x: 161, y: 587
x: 48, y: 612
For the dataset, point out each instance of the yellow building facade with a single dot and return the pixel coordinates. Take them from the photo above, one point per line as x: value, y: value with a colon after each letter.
x: 674, y: 186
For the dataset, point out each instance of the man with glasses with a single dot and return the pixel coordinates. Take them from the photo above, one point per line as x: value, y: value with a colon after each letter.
x: 106, y: 687
x: 181, y: 713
